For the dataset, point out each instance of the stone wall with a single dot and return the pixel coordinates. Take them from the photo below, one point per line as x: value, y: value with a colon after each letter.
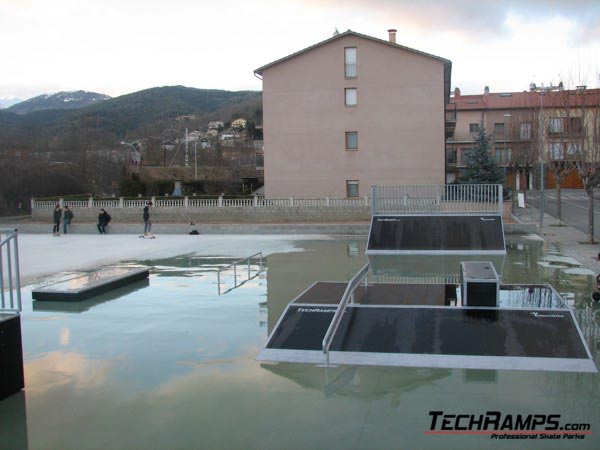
x: 215, y: 214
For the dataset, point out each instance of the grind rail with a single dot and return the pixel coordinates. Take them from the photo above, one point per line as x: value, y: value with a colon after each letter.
x: 9, y: 257
x: 437, y: 199
x: 235, y: 272
x: 339, y: 312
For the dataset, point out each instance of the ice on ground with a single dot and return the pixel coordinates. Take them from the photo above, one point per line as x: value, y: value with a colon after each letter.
x: 580, y: 271
x: 562, y: 259
x: 41, y: 255
x: 548, y: 265
x: 533, y: 237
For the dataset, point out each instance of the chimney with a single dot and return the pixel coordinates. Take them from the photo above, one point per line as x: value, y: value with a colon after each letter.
x: 392, y: 35
x: 456, y: 92
x: 486, y: 91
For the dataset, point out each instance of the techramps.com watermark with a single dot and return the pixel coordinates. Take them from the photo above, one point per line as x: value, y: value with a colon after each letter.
x: 499, y: 425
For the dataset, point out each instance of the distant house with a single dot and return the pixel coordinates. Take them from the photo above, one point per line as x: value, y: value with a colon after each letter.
x: 239, y: 124
x: 350, y: 112
x: 215, y: 125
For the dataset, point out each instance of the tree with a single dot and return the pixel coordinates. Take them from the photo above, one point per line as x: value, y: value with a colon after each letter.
x: 481, y: 167
x: 588, y: 164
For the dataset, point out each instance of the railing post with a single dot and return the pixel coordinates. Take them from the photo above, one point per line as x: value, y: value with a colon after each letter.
x: 61, y: 202
x: 91, y: 202
x: 366, y: 200
x: 32, y: 204
x: 121, y: 203
x: 220, y: 202
x: 153, y: 200
x: 255, y: 201
x: 327, y: 200
x: 373, y: 200
x: 291, y: 201
x: 186, y: 202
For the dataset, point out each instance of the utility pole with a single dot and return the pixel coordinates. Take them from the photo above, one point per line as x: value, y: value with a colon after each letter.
x: 542, y: 90
x: 187, y: 157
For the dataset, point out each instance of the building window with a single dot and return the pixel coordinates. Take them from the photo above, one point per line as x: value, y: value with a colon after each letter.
x: 555, y: 150
x: 451, y: 156
x: 351, y: 96
x: 574, y: 150
x: 575, y: 125
x: 352, y: 188
x: 498, y: 128
x: 525, y: 130
x: 350, y: 62
x: 351, y: 140
x: 555, y: 125
x: 465, y: 155
x: 473, y: 128
x: 503, y: 156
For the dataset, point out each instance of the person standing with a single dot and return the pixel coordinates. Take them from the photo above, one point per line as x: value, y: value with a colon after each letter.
x: 56, y: 215
x: 103, y: 220
x: 67, y: 217
x: 146, y: 216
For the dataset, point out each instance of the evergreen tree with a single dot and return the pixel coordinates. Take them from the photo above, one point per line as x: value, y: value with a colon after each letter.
x: 481, y: 167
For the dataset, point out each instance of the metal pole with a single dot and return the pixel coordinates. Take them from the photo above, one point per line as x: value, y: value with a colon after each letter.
x: 17, y: 272
x: 10, y: 282
x: 1, y: 276
x: 195, y: 160
x: 542, y: 131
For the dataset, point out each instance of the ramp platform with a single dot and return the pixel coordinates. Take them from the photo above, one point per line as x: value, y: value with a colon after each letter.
x: 90, y: 285
x: 425, y: 326
x: 448, y: 234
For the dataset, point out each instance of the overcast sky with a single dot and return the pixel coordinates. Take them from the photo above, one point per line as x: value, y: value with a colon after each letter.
x: 119, y: 46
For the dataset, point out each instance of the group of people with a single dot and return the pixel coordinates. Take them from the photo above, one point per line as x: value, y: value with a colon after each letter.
x: 67, y: 218
x: 103, y: 219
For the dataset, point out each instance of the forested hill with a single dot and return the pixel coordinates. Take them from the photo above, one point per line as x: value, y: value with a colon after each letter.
x: 127, y: 116
x: 60, y: 100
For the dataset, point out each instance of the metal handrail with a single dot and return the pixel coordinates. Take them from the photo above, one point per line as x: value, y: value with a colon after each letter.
x: 234, y: 265
x: 11, y: 236
x: 337, y: 317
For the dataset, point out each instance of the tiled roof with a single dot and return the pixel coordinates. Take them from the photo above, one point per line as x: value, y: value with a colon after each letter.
x: 516, y: 100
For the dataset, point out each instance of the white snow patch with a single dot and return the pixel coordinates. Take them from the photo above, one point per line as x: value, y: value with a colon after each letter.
x: 533, y: 237
x: 562, y: 259
x: 580, y: 271
x: 547, y: 265
x: 41, y: 255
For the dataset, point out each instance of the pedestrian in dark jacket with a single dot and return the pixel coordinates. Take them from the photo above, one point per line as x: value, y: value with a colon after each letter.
x: 56, y: 215
x: 103, y: 220
x: 67, y: 217
x: 146, y: 216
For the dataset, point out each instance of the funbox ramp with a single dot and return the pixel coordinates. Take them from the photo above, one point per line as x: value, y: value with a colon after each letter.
x: 448, y: 234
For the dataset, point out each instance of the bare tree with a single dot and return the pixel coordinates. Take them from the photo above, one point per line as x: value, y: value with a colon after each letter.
x: 588, y: 164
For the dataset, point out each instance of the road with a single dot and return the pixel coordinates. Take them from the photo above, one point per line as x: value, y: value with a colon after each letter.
x: 574, y: 204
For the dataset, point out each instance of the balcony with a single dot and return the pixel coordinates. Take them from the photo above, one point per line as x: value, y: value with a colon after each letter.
x: 450, y: 120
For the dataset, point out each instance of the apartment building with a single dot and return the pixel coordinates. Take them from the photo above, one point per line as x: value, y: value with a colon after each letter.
x: 350, y: 112
x: 514, y: 120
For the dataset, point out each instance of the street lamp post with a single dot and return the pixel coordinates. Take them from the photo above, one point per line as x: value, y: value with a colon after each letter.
x: 542, y: 90
x: 135, y: 145
x: 505, y: 152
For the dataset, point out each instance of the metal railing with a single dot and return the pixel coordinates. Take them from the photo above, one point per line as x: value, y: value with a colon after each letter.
x: 438, y: 199
x: 192, y: 202
x: 10, y: 257
x: 235, y: 272
x: 339, y: 312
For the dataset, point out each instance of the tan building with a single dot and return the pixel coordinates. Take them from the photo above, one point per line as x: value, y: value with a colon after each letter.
x: 351, y: 112
x: 513, y: 121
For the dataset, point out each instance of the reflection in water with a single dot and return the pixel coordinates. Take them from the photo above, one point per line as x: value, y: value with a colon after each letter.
x: 172, y: 366
x: 13, y: 422
x: 358, y: 381
x: 85, y: 305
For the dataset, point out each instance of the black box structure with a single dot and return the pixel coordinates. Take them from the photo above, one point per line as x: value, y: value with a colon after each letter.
x: 11, y: 355
x: 90, y: 285
x: 480, y: 284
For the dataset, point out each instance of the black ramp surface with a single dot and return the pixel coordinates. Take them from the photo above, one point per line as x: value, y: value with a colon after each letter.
x: 436, y: 233
x: 437, y: 331
x: 302, y: 328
